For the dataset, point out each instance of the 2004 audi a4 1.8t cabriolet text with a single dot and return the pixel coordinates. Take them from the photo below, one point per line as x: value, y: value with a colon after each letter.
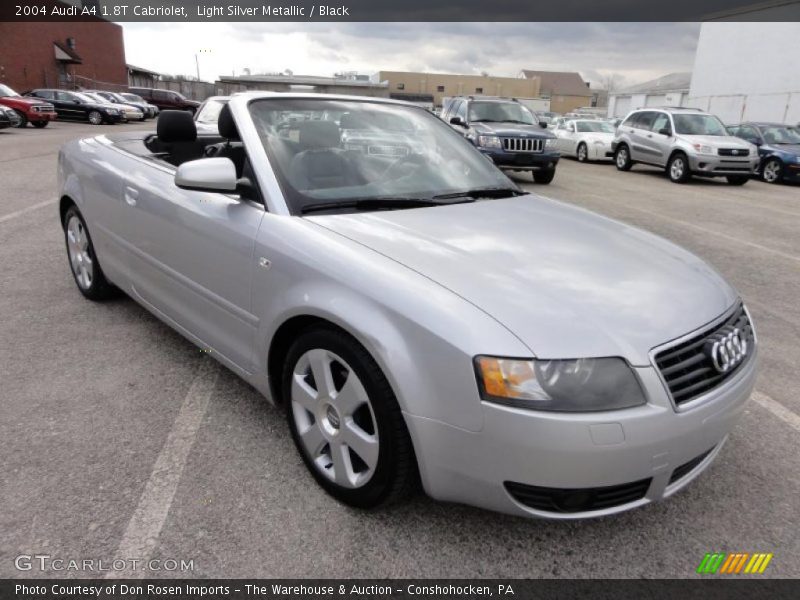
x: 419, y: 316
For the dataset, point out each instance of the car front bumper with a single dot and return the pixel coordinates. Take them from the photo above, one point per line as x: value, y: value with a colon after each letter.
x: 34, y: 116
x: 630, y: 457
x: 600, y: 151
x: 713, y: 165
x: 791, y: 172
x: 523, y: 161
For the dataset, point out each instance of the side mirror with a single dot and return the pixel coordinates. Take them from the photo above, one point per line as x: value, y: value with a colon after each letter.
x: 665, y: 131
x: 207, y: 175
x: 543, y: 124
x: 756, y: 142
x: 458, y: 121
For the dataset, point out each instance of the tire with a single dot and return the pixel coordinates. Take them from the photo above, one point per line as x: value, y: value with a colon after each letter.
x: 678, y: 168
x: 622, y: 158
x: 358, y: 411
x: 737, y: 179
x: 39, y: 124
x: 582, y: 153
x: 772, y: 171
x: 95, y: 118
x: 544, y: 176
x: 23, y: 120
x: 82, y: 259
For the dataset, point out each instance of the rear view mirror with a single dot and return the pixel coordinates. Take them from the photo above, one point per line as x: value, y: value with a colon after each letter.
x: 207, y: 175
x: 665, y: 131
x: 457, y: 121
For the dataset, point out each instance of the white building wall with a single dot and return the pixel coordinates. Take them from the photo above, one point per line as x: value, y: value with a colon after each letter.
x: 737, y: 77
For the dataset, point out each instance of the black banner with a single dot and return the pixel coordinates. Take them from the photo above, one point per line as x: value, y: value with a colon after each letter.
x: 341, y: 589
x: 398, y: 10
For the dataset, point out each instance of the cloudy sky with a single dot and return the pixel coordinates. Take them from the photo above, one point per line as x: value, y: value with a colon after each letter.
x: 634, y: 51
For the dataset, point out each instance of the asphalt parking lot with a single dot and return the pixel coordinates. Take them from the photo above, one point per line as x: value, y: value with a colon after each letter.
x: 91, y: 394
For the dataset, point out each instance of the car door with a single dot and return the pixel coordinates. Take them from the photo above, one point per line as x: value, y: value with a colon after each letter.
x: 569, y: 141
x: 191, y: 259
x: 659, y: 139
x: 753, y: 135
x: 70, y: 106
x: 641, y: 136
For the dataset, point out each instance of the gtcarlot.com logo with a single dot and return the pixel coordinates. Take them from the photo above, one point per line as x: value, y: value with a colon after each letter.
x: 45, y: 562
x: 734, y: 563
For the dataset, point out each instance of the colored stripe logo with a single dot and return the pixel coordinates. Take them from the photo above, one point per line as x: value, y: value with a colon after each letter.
x: 734, y: 563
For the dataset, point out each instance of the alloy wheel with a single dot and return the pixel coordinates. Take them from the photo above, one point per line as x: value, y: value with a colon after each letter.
x: 582, y: 153
x: 677, y: 169
x: 622, y: 157
x: 772, y: 171
x: 95, y: 118
x: 334, y: 418
x: 78, y: 248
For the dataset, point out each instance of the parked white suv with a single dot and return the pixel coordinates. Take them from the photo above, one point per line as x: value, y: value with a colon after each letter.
x: 686, y: 142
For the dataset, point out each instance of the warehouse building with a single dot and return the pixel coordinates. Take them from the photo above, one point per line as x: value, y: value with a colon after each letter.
x: 566, y: 90
x: 430, y: 88
x: 669, y: 90
x: 62, y: 54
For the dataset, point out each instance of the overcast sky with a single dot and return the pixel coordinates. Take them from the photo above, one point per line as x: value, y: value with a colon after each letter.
x: 635, y: 51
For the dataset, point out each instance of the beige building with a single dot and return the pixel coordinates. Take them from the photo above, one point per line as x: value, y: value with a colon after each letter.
x: 566, y: 90
x: 432, y: 87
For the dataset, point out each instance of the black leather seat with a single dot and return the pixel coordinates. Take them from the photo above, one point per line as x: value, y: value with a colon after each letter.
x: 321, y: 163
x: 232, y: 148
x: 176, y: 135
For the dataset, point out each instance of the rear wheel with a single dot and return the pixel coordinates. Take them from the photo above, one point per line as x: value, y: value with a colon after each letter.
x: 622, y: 158
x: 772, y: 171
x: 345, y: 420
x: 39, y: 124
x: 23, y: 120
x: 737, y: 179
x: 544, y: 176
x: 582, y: 153
x: 82, y: 260
x: 95, y: 118
x: 678, y: 168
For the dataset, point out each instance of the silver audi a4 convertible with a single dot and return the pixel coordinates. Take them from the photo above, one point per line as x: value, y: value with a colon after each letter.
x: 419, y: 317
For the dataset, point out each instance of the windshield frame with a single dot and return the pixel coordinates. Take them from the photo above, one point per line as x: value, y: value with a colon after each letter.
x: 676, y: 117
x: 6, y: 88
x: 523, y: 110
x: 272, y: 175
x: 592, y: 122
x: 794, y: 131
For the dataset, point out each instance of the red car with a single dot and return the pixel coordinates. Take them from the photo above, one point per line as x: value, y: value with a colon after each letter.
x: 30, y: 110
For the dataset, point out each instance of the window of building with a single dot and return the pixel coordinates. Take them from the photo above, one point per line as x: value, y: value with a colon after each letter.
x: 478, y: 90
x: 401, y: 86
x: 439, y: 88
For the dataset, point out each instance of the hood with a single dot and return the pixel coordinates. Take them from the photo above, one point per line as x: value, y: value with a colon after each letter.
x: 717, y: 141
x: 598, y: 135
x: 27, y: 100
x: 567, y: 282
x: 510, y: 130
x: 793, y: 149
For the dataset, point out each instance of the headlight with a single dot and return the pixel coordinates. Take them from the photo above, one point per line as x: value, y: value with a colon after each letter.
x: 550, y: 142
x: 584, y: 384
x: 488, y: 141
x: 703, y: 149
x: 112, y: 111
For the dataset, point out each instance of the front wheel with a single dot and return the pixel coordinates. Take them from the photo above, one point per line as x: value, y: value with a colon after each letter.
x: 83, y: 261
x: 772, y: 171
x: 582, y: 153
x: 678, y: 169
x: 95, y: 118
x: 345, y: 420
x: 544, y: 176
x: 39, y: 124
x: 622, y: 158
x: 23, y: 120
x: 737, y: 179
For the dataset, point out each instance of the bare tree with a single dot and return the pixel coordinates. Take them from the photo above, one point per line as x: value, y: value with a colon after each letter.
x: 610, y: 82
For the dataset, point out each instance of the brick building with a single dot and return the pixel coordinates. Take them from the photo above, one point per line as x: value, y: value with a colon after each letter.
x: 62, y: 54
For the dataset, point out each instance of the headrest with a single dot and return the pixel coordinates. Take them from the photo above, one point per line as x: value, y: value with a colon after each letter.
x: 226, y: 126
x: 176, y: 126
x: 318, y: 134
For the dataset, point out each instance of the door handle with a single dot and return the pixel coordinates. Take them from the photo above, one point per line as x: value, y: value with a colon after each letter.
x: 131, y: 194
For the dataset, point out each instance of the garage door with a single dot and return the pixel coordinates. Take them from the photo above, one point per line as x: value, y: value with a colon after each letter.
x: 622, y: 106
x: 656, y: 100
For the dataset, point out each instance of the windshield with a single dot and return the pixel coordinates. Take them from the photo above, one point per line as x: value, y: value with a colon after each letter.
x: 6, y: 91
x: 210, y: 111
x: 595, y: 127
x: 133, y: 98
x: 698, y: 125
x: 781, y: 135
x: 374, y: 151
x: 500, y: 112
x: 91, y: 97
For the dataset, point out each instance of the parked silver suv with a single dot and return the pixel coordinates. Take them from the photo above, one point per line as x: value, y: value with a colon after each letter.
x: 686, y: 142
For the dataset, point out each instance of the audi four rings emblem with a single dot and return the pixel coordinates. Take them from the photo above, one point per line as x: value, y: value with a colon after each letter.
x: 726, y: 350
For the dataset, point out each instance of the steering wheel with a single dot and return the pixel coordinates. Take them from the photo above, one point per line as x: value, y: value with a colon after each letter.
x: 393, y: 170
